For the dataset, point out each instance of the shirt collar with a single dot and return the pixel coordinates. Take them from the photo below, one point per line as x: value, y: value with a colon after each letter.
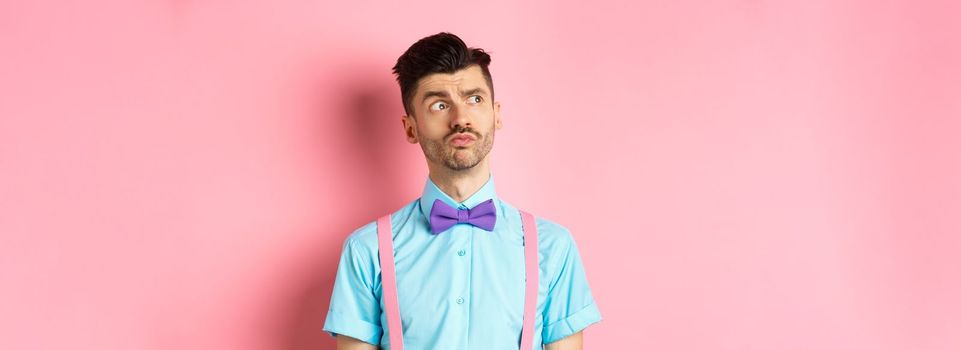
x: 432, y: 192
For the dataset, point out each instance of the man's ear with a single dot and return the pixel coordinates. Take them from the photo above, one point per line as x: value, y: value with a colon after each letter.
x: 410, y: 128
x: 497, y: 115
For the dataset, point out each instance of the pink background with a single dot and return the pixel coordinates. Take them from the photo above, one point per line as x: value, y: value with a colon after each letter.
x: 737, y: 174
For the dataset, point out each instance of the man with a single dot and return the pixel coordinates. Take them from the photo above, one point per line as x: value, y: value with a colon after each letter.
x: 461, y: 285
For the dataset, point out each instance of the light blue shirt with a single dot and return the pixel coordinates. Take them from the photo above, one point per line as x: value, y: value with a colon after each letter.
x: 462, y: 288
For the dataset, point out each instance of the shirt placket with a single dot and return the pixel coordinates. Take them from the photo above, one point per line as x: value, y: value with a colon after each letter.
x: 463, y: 300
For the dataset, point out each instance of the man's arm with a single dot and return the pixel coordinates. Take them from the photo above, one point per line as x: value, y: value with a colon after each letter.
x: 347, y: 343
x: 354, y: 308
x: 572, y: 342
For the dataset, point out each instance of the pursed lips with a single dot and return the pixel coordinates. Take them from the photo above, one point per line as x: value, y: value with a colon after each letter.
x: 463, y: 137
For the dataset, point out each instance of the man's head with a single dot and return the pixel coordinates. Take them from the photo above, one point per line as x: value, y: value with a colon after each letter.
x: 448, y: 95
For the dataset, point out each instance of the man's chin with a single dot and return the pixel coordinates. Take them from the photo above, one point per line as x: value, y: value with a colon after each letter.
x: 455, y: 165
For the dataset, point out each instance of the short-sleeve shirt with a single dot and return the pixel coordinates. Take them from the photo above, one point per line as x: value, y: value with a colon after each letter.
x: 462, y: 288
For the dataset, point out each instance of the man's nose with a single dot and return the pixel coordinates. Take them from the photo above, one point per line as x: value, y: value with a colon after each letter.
x: 459, y: 117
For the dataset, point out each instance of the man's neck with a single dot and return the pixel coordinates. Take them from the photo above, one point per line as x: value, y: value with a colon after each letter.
x: 460, y: 184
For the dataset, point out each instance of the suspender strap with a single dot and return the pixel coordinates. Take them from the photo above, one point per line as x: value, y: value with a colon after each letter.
x: 389, y: 281
x: 530, y: 291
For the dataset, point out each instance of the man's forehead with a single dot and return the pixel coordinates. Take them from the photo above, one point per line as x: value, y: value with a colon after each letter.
x: 469, y: 77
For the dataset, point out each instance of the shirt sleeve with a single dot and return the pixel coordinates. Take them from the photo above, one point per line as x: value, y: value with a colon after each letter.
x: 570, y: 306
x: 354, y: 306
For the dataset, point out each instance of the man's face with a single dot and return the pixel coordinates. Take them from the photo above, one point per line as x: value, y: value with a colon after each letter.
x: 454, y: 119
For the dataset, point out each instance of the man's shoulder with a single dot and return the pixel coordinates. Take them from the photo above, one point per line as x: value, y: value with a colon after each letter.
x: 365, y: 236
x: 550, y: 233
x: 553, y: 235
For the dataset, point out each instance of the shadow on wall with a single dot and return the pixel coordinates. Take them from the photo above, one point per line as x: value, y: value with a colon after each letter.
x: 359, y: 113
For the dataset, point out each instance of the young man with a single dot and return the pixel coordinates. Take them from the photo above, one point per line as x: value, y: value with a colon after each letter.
x: 458, y: 250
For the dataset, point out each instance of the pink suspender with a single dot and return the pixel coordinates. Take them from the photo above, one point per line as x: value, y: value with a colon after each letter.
x: 531, y: 266
x: 389, y: 281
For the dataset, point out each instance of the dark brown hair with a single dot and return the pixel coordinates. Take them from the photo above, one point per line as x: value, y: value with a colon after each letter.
x: 439, y: 53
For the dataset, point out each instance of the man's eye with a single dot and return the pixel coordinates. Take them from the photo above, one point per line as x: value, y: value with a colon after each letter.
x: 436, y: 106
x: 474, y: 99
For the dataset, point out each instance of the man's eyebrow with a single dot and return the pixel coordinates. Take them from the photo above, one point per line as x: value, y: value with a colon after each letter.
x: 430, y: 94
x: 444, y: 94
x: 473, y: 91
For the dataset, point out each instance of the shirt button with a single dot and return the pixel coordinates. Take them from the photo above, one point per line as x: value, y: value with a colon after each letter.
x: 461, y: 252
x: 460, y: 300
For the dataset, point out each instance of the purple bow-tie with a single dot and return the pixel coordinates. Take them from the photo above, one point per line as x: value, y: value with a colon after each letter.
x: 443, y: 216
